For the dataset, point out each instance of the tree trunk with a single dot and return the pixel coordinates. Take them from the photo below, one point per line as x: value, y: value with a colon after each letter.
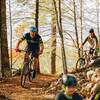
x: 5, y: 66
x: 62, y: 40
x: 59, y: 24
x: 37, y: 14
x: 0, y: 49
x: 97, y: 9
x: 53, y: 45
x: 81, y: 20
x: 75, y: 22
x: 10, y: 24
x: 36, y: 25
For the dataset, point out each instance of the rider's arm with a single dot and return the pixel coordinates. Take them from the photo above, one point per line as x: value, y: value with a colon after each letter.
x: 96, y: 43
x: 18, y: 43
x: 41, y: 46
x: 84, y: 42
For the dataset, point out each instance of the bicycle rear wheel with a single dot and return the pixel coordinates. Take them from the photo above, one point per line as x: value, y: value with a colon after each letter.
x: 80, y: 63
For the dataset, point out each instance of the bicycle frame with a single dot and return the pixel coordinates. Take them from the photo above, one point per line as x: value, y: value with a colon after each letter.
x: 27, y: 70
x: 83, y: 60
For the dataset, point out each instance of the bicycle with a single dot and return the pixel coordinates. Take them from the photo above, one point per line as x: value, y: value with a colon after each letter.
x: 28, y: 70
x: 85, y: 60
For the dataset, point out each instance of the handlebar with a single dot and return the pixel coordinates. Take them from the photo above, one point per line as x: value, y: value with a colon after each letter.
x: 19, y: 50
x: 83, y: 50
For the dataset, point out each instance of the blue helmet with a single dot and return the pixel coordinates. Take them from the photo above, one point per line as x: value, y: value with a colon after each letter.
x: 69, y: 80
x: 33, y: 29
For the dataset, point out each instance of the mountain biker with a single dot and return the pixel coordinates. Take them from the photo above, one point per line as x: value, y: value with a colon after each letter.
x: 69, y: 93
x: 93, y: 41
x: 34, y: 46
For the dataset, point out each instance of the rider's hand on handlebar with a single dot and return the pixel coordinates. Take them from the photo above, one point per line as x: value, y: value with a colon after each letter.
x: 79, y: 49
x: 81, y: 46
x: 40, y: 52
x: 17, y: 50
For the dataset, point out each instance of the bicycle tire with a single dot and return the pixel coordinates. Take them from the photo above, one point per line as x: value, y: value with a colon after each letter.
x: 24, y: 75
x: 80, y: 63
x: 23, y: 80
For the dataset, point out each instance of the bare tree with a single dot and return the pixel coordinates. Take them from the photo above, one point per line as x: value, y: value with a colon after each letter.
x: 37, y: 13
x: 53, y: 44
x: 5, y: 66
x: 81, y: 20
x: 75, y: 22
x: 0, y: 48
x: 97, y: 10
x: 59, y: 24
x: 36, y: 24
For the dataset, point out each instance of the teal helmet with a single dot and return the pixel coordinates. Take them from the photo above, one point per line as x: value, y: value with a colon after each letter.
x: 33, y: 29
x: 69, y: 80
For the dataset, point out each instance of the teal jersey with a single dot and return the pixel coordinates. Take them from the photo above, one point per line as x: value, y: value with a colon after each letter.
x: 33, y: 43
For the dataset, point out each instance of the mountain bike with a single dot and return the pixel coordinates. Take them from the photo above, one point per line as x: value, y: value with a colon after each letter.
x: 85, y: 60
x: 28, y: 71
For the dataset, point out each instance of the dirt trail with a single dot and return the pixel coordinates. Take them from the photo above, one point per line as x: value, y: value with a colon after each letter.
x: 10, y: 89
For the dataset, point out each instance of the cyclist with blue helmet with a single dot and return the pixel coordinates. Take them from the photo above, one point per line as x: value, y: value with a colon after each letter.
x: 34, y: 45
x: 69, y: 93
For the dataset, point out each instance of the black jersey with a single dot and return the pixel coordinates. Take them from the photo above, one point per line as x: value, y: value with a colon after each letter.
x: 62, y: 96
x: 33, y: 43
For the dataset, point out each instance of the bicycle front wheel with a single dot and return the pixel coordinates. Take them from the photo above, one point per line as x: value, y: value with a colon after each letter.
x: 24, y: 75
x: 80, y: 63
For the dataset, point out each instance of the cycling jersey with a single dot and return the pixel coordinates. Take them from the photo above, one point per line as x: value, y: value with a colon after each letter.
x: 92, y: 41
x: 32, y: 43
x: 62, y: 96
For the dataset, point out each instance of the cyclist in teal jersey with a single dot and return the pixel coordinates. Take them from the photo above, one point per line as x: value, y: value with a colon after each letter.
x: 34, y: 45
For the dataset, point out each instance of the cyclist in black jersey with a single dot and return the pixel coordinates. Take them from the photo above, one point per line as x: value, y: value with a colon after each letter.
x: 69, y: 93
x: 34, y: 45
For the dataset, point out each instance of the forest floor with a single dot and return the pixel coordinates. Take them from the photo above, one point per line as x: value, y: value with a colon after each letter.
x: 45, y: 87
x: 10, y: 89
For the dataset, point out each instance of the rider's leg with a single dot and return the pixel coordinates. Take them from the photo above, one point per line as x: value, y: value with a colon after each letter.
x: 36, y: 64
x: 26, y: 62
x: 38, y: 68
x: 91, y: 51
x: 26, y: 58
x: 96, y: 52
x: 90, y: 54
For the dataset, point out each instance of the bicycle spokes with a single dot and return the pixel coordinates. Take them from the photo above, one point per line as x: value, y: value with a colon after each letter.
x: 80, y: 63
